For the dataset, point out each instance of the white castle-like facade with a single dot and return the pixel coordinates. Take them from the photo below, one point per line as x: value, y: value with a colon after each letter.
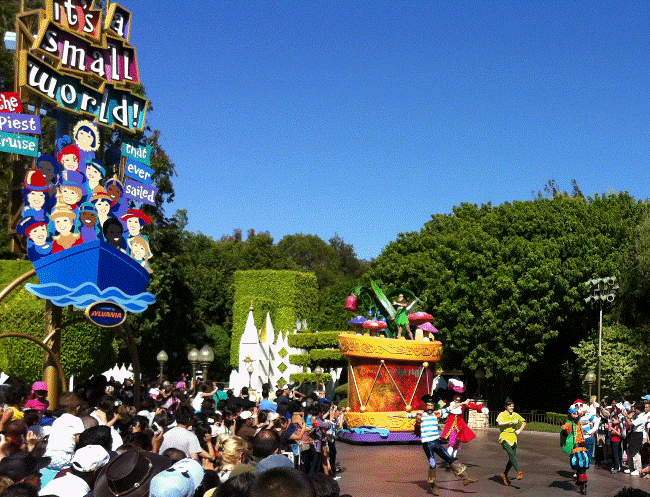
x: 264, y: 356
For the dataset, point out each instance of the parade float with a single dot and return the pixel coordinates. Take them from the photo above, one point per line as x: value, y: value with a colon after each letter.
x: 387, y: 373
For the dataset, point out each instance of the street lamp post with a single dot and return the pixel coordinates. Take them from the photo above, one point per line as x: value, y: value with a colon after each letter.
x: 162, y: 358
x: 590, y: 378
x: 318, y: 371
x: 602, y: 290
x: 206, y: 356
x: 193, y: 357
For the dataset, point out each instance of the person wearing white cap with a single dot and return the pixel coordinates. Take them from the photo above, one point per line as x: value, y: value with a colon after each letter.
x: 181, y: 480
x: 81, y: 478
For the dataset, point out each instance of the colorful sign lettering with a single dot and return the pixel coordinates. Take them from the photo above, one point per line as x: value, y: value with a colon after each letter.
x: 111, y: 106
x: 10, y: 102
x: 138, y: 171
x: 76, y: 15
x: 18, y: 144
x: 114, y: 62
x: 105, y: 314
x: 118, y: 20
x: 139, y: 192
x: 20, y: 123
x: 137, y: 151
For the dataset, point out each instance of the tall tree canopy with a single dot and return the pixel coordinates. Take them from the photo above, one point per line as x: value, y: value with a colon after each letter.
x: 505, y: 283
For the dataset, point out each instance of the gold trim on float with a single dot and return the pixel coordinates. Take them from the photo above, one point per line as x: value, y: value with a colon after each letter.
x: 353, y: 345
x: 380, y: 420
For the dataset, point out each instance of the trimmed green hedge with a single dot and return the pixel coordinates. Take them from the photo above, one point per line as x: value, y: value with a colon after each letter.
x: 326, y: 358
x: 300, y: 360
x: 309, y: 378
x: 286, y: 295
x: 320, y: 340
x: 555, y: 418
x: 85, y: 349
x: 342, y: 390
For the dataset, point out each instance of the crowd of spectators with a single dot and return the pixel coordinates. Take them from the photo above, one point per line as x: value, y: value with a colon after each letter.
x: 185, y: 440
x: 617, y: 434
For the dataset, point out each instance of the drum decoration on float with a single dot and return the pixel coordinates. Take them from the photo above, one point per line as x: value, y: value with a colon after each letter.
x: 387, y: 373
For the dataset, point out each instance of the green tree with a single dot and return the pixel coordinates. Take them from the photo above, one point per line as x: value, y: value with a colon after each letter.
x: 505, y: 283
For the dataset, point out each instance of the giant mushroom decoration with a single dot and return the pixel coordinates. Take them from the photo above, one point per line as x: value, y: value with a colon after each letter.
x: 374, y: 326
x: 418, y: 318
x: 357, y: 322
x: 427, y: 328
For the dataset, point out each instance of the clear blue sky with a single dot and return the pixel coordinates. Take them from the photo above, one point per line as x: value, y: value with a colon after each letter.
x: 364, y: 118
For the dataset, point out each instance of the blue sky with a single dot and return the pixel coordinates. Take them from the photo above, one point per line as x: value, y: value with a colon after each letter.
x: 364, y: 118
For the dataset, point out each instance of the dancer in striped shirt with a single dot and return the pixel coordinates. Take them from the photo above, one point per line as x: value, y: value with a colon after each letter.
x: 430, y: 436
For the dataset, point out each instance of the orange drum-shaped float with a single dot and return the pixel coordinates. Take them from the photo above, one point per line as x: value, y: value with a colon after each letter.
x: 387, y: 376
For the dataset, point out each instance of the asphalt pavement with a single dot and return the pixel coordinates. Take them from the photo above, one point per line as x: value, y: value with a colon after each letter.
x: 401, y: 470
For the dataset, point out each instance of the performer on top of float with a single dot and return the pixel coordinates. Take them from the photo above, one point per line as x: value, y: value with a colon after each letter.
x: 401, y: 318
x: 456, y: 429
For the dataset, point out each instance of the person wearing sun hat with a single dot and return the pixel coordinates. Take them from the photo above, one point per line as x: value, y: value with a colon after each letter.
x: 86, y: 464
x: 135, y: 220
x: 510, y: 424
x: 430, y: 437
x: 64, y: 219
x: 572, y: 441
x: 181, y: 480
x: 38, y: 397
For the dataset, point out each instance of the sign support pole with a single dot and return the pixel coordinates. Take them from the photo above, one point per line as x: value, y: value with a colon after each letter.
x: 53, y: 316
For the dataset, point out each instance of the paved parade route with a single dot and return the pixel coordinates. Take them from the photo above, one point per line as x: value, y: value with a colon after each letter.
x: 401, y: 470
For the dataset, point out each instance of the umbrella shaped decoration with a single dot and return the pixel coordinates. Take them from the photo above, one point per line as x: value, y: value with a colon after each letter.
x: 357, y: 322
x: 428, y: 327
x: 418, y: 318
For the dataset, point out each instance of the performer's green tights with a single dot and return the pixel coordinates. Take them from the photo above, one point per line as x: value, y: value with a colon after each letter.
x: 512, y: 456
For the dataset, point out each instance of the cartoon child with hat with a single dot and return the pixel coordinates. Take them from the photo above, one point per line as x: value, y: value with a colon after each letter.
x: 95, y: 173
x: 51, y: 169
x: 141, y: 252
x: 86, y: 137
x: 64, y: 220
x: 87, y: 222
x: 115, y: 190
x: 69, y: 158
x: 36, y: 231
x: 71, y: 190
x: 35, y: 195
x: 135, y: 220
x: 102, y: 202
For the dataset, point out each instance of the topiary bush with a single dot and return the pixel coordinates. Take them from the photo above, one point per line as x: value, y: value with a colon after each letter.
x: 287, y: 295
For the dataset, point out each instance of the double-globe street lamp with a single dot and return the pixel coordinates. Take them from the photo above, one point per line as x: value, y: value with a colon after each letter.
x: 602, y: 290
x: 590, y: 378
x: 193, y: 357
x: 206, y: 356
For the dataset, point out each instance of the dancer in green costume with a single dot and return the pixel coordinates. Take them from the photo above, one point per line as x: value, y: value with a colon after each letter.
x: 511, y: 424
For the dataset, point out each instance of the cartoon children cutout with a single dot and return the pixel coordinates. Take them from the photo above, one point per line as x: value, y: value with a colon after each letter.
x: 141, y: 252
x: 51, y: 169
x: 69, y: 158
x: 36, y: 231
x: 87, y: 222
x: 113, y: 233
x: 86, y: 137
x: 115, y: 190
x: 95, y: 173
x: 64, y: 218
x: 71, y: 190
x: 102, y: 203
x: 135, y: 219
x: 35, y: 195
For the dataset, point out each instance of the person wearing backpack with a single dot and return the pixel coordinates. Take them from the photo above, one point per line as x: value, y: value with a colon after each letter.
x: 572, y: 441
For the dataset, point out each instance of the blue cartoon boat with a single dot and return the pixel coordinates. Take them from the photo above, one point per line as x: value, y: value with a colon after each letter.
x: 93, y: 272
